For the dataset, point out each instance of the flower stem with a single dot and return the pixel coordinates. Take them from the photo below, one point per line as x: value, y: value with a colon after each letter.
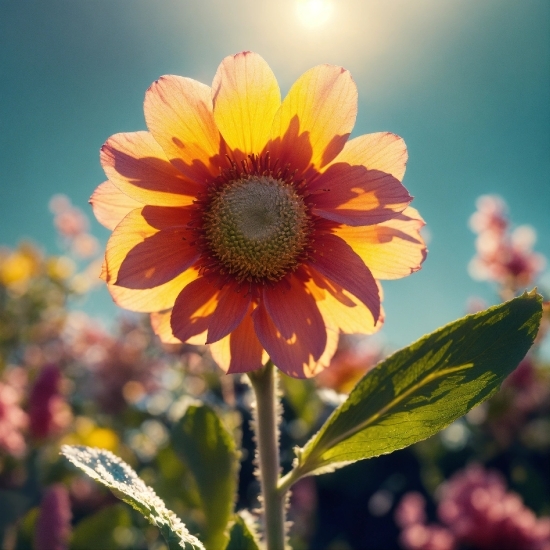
x: 264, y: 383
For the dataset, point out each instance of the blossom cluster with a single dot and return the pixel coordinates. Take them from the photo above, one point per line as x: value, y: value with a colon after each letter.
x: 73, y: 227
x: 13, y: 419
x: 523, y: 401
x: 504, y: 255
x: 476, y: 511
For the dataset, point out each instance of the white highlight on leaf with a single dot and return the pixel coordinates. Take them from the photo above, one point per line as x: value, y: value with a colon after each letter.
x: 122, y: 480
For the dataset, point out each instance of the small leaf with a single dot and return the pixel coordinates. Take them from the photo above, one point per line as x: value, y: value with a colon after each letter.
x: 421, y: 389
x: 242, y: 535
x: 124, y: 483
x: 208, y: 450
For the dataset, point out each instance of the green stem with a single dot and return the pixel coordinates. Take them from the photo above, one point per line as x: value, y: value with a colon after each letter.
x: 264, y: 383
x: 288, y: 480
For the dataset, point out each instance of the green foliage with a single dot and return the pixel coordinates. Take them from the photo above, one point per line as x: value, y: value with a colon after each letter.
x: 303, y: 398
x: 25, y: 531
x: 242, y: 536
x: 421, y: 389
x: 124, y: 483
x: 208, y: 450
x: 99, y: 530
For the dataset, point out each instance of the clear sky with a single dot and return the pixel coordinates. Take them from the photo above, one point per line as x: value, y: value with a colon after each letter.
x: 466, y: 83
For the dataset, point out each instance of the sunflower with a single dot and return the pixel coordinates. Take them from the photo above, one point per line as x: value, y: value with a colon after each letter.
x: 253, y: 224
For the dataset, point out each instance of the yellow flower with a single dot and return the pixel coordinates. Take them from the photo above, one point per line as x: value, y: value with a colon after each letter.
x: 253, y: 224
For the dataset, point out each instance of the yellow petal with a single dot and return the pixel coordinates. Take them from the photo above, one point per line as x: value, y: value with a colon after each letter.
x: 160, y: 323
x: 246, y: 97
x: 382, y: 151
x: 138, y: 166
x: 323, y: 362
x: 341, y: 311
x: 153, y: 299
x: 221, y: 352
x: 111, y: 205
x: 149, y: 247
x: 315, y: 118
x: 392, y: 249
x: 178, y: 112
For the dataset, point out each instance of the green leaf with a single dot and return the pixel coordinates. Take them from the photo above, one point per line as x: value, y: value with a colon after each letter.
x: 208, y: 450
x: 421, y: 389
x: 124, y: 483
x: 100, y: 530
x: 242, y: 535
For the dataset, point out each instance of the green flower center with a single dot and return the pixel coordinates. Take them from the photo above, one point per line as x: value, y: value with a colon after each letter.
x: 257, y: 228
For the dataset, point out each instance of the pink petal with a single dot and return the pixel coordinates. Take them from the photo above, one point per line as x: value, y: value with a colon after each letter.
x: 233, y: 304
x: 245, y: 349
x: 294, y: 355
x: 289, y: 304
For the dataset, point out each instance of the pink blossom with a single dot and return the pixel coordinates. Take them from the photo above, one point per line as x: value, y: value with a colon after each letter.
x: 427, y: 537
x: 353, y: 358
x: 523, y: 393
x: 411, y: 510
x: 48, y: 411
x: 84, y: 245
x: 477, y: 507
x: 71, y: 222
x: 114, y: 362
x: 476, y: 510
x: 503, y: 256
x: 13, y: 421
x: 53, y: 526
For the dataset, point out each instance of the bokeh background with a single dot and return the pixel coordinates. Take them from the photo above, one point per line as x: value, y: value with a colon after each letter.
x: 466, y: 83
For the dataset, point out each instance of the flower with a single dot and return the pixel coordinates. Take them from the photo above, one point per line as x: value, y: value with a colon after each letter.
x: 503, y: 256
x: 53, y: 524
x: 252, y: 224
x: 49, y: 413
x: 477, y: 511
x: 353, y: 358
x: 13, y: 420
x: 478, y: 508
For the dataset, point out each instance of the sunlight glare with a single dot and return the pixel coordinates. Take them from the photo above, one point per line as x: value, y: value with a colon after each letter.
x: 314, y: 13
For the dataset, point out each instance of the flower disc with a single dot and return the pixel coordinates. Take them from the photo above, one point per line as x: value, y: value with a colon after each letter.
x: 257, y: 228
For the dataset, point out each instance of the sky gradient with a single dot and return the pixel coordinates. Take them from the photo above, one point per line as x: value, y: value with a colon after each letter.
x: 466, y: 83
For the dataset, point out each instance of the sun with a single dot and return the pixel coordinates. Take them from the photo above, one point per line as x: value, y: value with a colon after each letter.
x: 314, y: 13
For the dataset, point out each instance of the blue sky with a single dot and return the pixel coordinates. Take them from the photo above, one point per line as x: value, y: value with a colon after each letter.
x: 466, y: 83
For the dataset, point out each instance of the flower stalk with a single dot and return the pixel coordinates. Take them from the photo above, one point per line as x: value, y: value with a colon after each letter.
x: 266, y: 426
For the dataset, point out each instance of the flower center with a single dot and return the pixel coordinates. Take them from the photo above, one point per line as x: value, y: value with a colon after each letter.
x: 257, y: 228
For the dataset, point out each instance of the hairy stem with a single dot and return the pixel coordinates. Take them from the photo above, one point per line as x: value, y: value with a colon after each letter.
x: 264, y: 383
